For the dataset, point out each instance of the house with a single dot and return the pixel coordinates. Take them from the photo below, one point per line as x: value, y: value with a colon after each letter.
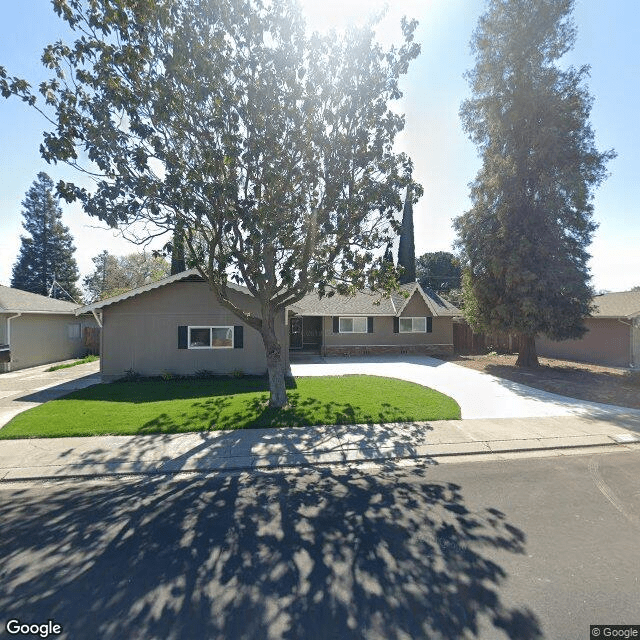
x: 613, y: 336
x: 177, y: 326
x: 37, y: 330
x: 411, y: 320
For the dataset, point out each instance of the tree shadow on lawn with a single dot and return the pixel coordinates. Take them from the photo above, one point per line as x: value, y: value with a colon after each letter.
x: 213, y: 414
x: 316, y: 554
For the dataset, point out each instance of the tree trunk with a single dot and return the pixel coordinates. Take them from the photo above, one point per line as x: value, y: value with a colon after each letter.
x: 527, y: 356
x: 275, y: 363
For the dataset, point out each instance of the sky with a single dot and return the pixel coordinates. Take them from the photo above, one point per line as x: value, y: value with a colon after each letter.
x: 445, y: 160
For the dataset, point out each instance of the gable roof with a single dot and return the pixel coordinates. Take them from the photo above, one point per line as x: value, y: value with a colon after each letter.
x: 191, y: 274
x: 373, y: 303
x: 18, y: 301
x: 624, y: 304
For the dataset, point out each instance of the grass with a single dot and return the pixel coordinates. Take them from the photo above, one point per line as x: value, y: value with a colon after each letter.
x: 175, y: 406
x: 74, y: 364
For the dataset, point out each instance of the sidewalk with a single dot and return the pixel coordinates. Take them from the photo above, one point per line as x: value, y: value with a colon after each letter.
x: 256, y: 449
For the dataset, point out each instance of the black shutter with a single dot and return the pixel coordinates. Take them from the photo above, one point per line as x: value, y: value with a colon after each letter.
x: 370, y: 324
x: 396, y: 324
x: 336, y: 324
x: 429, y: 324
x: 238, y: 336
x: 183, y: 337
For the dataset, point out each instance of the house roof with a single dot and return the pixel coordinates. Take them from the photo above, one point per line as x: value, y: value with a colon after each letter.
x: 624, y: 304
x: 372, y: 303
x: 191, y: 274
x: 18, y: 301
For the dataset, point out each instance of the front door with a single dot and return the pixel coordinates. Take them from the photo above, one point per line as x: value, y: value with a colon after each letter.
x: 295, y: 332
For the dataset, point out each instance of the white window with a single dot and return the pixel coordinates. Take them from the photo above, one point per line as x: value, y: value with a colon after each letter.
x: 413, y: 325
x: 74, y: 331
x: 353, y: 325
x: 210, y: 337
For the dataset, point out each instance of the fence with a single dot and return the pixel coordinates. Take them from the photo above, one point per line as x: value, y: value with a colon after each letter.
x: 91, y: 340
x: 466, y: 342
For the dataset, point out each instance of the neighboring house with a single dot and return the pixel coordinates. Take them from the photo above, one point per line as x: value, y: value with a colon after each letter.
x: 177, y: 326
x: 37, y: 330
x: 613, y: 336
x: 409, y: 321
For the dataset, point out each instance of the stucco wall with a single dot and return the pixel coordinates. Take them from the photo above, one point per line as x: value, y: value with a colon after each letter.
x: 142, y: 333
x: 3, y: 328
x: 383, y: 335
x: 635, y: 336
x: 43, y: 338
x: 607, y: 342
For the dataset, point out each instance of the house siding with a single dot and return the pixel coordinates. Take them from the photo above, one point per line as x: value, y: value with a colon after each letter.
x: 635, y: 341
x: 42, y: 338
x: 384, y: 340
x: 141, y: 333
x: 607, y: 342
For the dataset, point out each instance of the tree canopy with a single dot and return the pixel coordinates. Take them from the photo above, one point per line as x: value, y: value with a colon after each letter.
x: 525, y: 239
x: 114, y: 275
x: 439, y: 270
x: 45, y: 264
x: 272, y: 150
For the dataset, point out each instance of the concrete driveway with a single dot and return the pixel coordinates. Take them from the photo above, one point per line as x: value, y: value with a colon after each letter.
x: 21, y: 390
x: 479, y: 395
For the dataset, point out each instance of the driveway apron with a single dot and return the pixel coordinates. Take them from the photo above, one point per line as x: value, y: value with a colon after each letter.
x: 479, y: 395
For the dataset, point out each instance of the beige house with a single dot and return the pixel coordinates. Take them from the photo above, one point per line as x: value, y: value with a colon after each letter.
x: 38, y: 330
x: 177, y: 326
x: 409, y: 321
x: 613, y: 336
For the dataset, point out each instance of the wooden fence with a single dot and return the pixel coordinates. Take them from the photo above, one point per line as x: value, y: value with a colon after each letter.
x: 466, y: 342
x: 91, y: 340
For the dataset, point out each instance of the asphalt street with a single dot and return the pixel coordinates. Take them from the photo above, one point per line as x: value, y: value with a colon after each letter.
x: 519, y: 549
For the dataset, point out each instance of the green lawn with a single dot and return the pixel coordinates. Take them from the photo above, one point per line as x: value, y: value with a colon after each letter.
x: 74, y: 364
x: 173, y: 406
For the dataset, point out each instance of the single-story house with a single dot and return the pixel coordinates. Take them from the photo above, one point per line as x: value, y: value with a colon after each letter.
x: 613, y: 336
x: 410, y: 320
x: 177, y: 326
x: 38, y: 330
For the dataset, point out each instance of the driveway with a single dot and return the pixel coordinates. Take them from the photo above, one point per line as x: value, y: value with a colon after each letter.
x: 27, y: 388
x: 479, y: 395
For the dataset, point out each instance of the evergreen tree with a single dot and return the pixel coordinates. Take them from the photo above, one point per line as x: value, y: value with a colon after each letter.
x: 178, y: 264
x: 45, y: 264
x: 388, y: 255
x: 524, y: 241
x: 439, y: 271
x: 407, y: 248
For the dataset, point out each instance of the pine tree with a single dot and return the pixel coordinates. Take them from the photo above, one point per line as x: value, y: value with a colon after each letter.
x: 45, y: 264
x: 524, y: 241
x: 178, y: 263
x: 407, y: 249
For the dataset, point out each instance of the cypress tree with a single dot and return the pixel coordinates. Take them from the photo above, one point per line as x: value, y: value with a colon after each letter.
x: 407, y: 249
x: 524, y: 241
x: 46, y: 254
x: 178, y: 264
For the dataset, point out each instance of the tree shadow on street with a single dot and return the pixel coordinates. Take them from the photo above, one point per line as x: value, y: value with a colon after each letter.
x: 315, y: 554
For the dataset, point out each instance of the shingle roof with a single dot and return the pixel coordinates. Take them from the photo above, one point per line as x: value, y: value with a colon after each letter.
x: 370, y: 303
x: 15, y: 300
x: 191, y: 274
x: 624, y: 304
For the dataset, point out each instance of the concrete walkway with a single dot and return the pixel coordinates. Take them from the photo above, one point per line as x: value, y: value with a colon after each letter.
x: 27, y: 388
x: 258, y: 449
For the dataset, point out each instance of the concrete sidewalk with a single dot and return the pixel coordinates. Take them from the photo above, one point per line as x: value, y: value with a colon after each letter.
x: 254, y: 449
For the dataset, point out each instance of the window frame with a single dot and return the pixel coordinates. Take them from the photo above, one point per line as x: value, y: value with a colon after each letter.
x: 353, y: 319
x: 413, y: 329
x: 77, y: 327
x: 211, y: 346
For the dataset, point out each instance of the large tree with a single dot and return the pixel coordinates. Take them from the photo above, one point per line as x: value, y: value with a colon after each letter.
x: 525, y: 239
x: 439, y: 270
x: 113, y: 275
x: 407, y: 247
x: 45, y: 264
x: 273, y: 150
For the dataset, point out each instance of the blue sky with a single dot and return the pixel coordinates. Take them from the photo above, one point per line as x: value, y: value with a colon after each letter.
x: 445, y: 160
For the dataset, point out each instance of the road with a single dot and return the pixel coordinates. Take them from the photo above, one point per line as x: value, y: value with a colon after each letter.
x: 520, y: 549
